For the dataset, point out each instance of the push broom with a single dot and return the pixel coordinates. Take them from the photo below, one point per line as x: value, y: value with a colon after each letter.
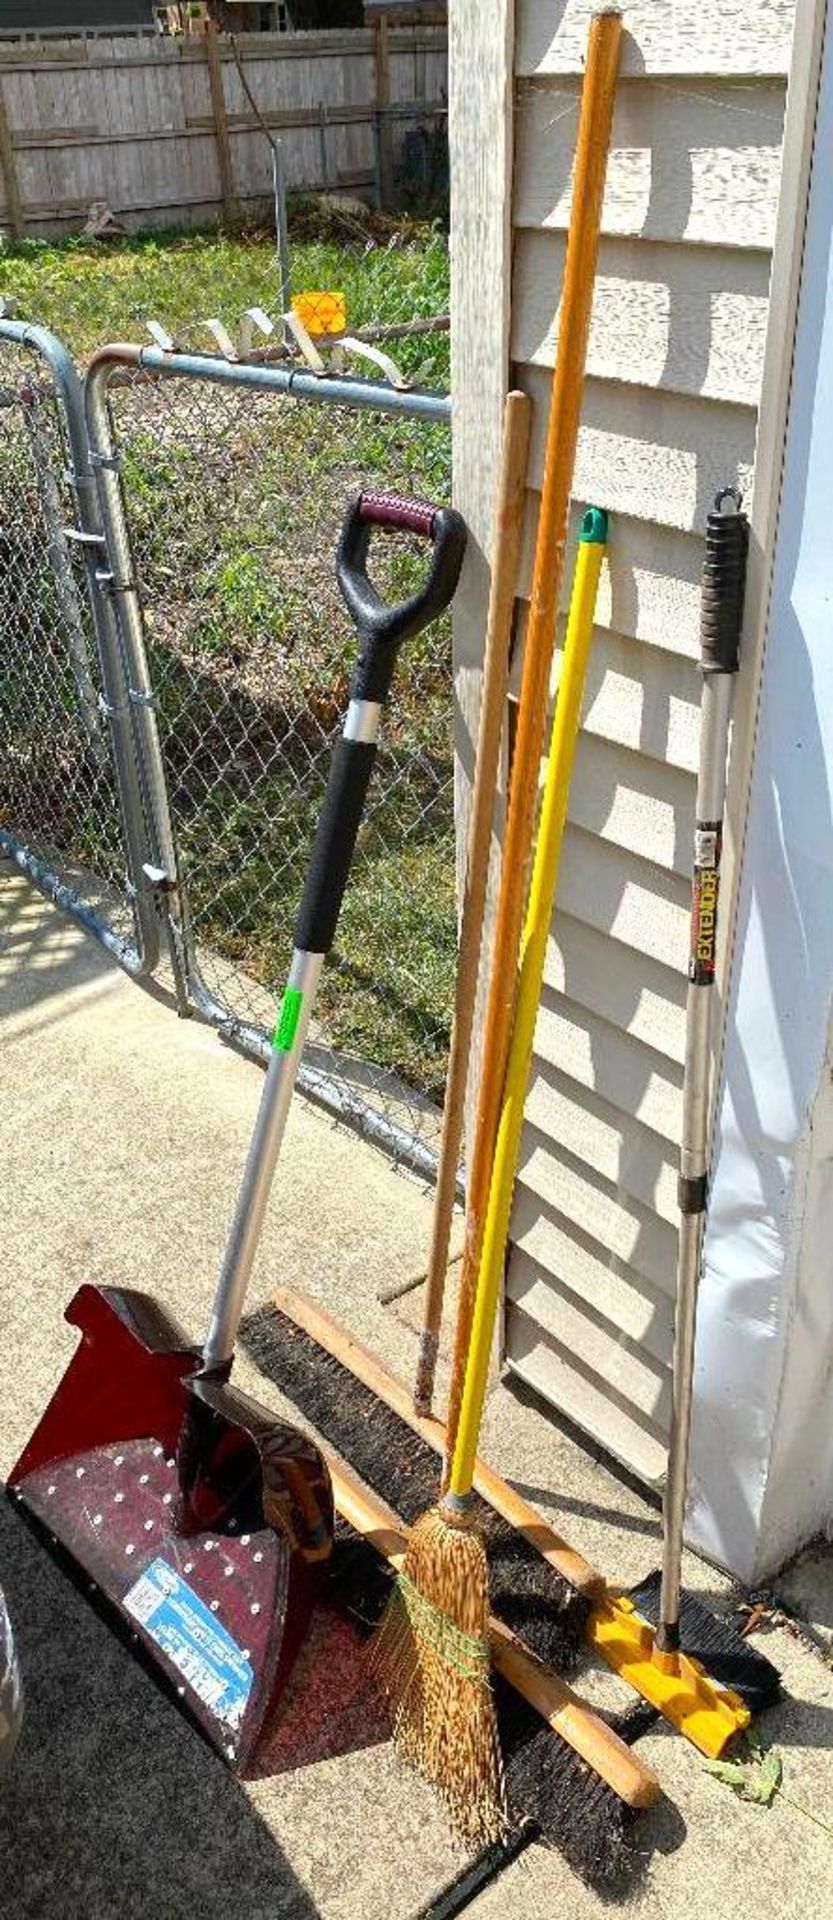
x: 432, y: 1650
x: 463, y: 1573
x: 695, y: 1668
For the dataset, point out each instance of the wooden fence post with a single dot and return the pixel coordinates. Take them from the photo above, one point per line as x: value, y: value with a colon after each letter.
x: 8, y: 168
x: 381, y: 60
x: 231, y: 213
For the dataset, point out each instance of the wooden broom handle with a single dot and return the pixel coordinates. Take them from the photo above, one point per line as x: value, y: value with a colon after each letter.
x: 364, y: 1365
x: 595, y: 121
x: 505, y: 560
x: 564, y: 1710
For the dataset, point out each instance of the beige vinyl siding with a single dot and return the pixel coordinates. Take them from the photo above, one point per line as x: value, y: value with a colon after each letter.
x: 663, y: 37
x: 670, y: 415
x: 692, y: 160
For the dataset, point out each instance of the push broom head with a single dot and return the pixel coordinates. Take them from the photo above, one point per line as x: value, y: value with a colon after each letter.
x: 709, y: 1690
x: 430, y: 1655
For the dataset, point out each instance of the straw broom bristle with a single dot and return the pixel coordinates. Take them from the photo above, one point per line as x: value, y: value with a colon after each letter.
x: 430, y: 1653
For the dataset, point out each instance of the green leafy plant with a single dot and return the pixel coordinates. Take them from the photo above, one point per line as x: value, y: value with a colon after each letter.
x: 757, y: 1779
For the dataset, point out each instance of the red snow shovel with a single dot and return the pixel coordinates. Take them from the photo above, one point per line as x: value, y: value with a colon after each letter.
x: 197, y: 1521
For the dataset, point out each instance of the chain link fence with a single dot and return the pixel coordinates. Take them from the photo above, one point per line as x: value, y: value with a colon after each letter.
x: 233, y: 500
x: 392, y: 273
x: 62, y: 792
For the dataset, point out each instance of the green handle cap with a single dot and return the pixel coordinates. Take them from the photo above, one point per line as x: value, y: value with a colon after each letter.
x: 594, y: 527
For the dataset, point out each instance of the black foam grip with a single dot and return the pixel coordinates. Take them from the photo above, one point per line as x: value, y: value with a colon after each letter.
x: 667, y: 1636
x: 722, y: 590
x: 335, y: 839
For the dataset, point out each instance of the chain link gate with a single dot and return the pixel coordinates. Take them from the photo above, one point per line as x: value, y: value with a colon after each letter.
x: 70, y: 809
x: 223, y: 486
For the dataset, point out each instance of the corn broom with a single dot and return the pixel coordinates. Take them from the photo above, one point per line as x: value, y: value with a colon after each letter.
x: 431, y: 1652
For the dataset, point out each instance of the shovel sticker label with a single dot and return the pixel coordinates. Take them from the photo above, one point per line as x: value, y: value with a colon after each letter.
x: 193, y: 1639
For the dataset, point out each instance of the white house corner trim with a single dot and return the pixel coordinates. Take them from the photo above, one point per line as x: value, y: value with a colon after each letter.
x: 762, y: 1441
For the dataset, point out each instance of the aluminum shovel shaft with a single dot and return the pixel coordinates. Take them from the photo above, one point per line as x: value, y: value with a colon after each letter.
x: 381, y: 629
x: 262, y: 1159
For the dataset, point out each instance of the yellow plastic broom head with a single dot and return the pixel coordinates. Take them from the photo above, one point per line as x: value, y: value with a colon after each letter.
x: 706, y: 1713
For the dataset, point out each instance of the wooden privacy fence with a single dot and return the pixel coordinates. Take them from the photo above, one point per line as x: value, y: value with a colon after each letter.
x: 162, y: 129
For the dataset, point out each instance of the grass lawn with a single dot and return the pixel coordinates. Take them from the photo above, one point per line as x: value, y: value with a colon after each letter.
x: 93, y: 291
x: 235, y: 503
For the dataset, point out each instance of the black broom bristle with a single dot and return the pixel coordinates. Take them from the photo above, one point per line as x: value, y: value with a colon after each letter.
x: 718, y: 1646
x: 359, y: 1580
x: 632, y: 1722
x: 548, y: 1785
x: 574, y: 1810
x: 526, y: 1592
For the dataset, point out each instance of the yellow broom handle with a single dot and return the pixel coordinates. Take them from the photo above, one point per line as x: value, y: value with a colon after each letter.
x: 533, y: 952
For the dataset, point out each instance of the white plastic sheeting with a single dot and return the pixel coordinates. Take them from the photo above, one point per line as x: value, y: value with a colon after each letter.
x: 762, y: 1446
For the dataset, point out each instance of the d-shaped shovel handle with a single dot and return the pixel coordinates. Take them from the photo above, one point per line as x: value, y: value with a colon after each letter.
x: 383, y: 627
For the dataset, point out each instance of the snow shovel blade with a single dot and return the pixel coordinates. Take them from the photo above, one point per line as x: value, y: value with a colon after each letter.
x: 194, y: 1519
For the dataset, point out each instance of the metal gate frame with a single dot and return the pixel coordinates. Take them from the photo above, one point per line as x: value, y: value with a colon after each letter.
x: 161, y: 868
x: 140, y: 955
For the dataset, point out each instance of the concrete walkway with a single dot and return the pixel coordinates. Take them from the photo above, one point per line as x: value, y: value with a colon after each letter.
x: 122, y: 1133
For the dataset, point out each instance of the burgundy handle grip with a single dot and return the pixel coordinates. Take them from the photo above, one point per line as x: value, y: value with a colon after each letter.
x: 393, y: 510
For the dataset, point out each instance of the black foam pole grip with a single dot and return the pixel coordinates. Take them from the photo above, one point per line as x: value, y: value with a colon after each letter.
x: 335, y: 840
x: 692, y: 1193
x: 723, y: 585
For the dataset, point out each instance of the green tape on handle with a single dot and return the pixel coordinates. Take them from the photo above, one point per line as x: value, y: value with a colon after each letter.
x: 283, y: 1038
